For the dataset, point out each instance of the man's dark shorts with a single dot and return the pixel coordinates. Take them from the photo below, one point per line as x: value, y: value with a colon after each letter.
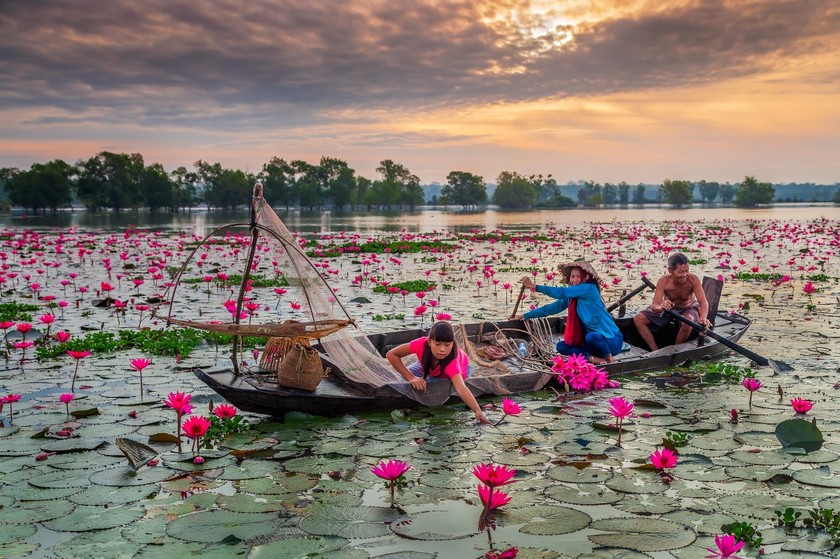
x: 659, y: 320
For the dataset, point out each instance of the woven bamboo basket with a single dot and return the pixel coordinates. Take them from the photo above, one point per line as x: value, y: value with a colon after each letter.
x: 296, y: 363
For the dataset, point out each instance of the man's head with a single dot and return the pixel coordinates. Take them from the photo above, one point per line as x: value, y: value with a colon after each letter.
x: 678, y: 267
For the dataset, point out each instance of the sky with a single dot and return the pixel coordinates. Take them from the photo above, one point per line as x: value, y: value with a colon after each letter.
x: 602, y: 90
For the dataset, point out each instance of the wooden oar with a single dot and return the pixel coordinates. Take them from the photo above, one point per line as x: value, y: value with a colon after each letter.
x: 626, y: 298
x: 516, y: 306
x: 777, y: 366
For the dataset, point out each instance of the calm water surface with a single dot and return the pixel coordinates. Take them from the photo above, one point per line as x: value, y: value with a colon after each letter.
x: 424, y: 220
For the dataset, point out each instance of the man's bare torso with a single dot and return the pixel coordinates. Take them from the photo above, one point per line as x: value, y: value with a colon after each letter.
x: 680, y: 294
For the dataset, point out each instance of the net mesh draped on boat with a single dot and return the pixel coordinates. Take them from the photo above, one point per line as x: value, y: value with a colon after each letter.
x: 348, y: 347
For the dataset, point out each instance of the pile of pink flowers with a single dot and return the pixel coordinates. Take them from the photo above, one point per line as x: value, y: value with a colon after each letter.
x: 579, y: 374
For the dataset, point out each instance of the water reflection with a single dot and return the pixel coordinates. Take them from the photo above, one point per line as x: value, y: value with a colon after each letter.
x: 425, y: 220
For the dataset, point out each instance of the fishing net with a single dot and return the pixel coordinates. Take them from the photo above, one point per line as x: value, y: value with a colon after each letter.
x: 343, y: 341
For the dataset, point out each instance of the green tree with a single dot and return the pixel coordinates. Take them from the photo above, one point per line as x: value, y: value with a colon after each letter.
x: 677, y: 193
x: 156, y: 187
x: 277, y: 177
x: 185, y: 188
x: 708, y: 190
x: 464, y: 189
x: 514, y: 191
x: 224, y: 188
x: 329, y: 172
x: 307, y: 185
x: 639, y: 194
x: 752, y: 193
x: 44, y: 186
x: 727, y: 193
x: 343, y: 187
x: 610, y: 192
x: 623, y: 193
x: 398, y: 185
x: 110, y: 180
x: 357, y: 197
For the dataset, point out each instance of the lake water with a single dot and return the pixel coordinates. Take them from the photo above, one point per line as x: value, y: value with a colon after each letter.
x: 304, y: 487
x: 424, y: 220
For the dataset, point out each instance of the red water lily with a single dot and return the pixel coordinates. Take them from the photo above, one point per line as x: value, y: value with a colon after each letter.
x: 752, y: 384
x: 78, y: 355
x: 620, y: 409
x: 391, y: 471
x: 494, y: 476
x: 801, y: 405
x: 224, y: 411
x: 180, y: 402
x: 727, y: 547
x: 663, y: 458
x: 138, y: 364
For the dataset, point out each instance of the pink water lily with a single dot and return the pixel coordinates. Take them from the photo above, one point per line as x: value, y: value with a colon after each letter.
x: 492, y: 498
x: 620, y: 409
x: 663, y: 458
x: 195, y: 427
x: 509, y: 553
x: 727, y: 547
x: 509, y: 407
x: 66, y: 399
x: 801, y: 405
x: 391, y: 471
x: 78, y: 355
x: 138, y: 365
x: 180, y: 402
x: 10, y: 399
x: 494, y: 476
x: 752, y: 384
x: 224, y: 411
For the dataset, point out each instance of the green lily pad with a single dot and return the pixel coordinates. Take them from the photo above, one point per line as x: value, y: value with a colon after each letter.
x: 761, y: 506
x: 278, y: 483
x: 12, y: 532
x: 122, y: 476
x: 24, y: 491
x: 637, y: 483
x: 85, y: 518
x: 30, y: 512
x: 319, y: 464
x: 641, y: 534
x: 822, y: 476
x: 767, y: 458
x: 584, y: 494
x: 648, y: 504
x: 799, y: 433
x: 456, y: 520
x: 614, y: 553
x: 293, y: 548
x: 350, y: 522
x: 571, y: 474
x: 701, y: 522
x: 170, y: 548
x: 249, y: 503
x: 102, y: 544
x: 214, y: 526
x: 102, y: 494
x: 250, y: 469
x: 71, y: 445
x: 548, y: 520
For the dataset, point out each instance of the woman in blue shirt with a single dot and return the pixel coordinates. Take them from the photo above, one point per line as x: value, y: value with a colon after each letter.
x: 590, y: 329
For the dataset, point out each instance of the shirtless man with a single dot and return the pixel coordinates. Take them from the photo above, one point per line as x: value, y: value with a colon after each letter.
x: 680, y: 292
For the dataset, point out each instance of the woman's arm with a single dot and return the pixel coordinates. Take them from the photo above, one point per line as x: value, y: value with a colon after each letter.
x: 468, y: 398
x: 395, y: 358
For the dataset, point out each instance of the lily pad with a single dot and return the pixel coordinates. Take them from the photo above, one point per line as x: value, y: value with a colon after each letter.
x: 30, y: 512
x: 85, y: 518
x: 549, y: 520
x: 350, y: 522
x: 292, y: 548
x: 584, y: 494
x: 214, y: 526
x: 454, y: 521
x: 122, y: 476
x: 821, y: 476
x: 642, y: 534
x: 319, y: 464
x: 170, y: 548
x: 799, y: 433
x: 614, y: 553
x: 572, y: 474
x: 637, y: 483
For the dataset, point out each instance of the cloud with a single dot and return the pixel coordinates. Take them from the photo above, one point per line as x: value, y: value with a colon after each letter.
x: 171, y: 62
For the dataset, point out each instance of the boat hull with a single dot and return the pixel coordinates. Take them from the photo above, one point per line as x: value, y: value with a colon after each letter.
x: 336, y: 396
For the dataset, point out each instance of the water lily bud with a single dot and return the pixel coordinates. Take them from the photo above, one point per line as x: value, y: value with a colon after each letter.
x: 198, y: 460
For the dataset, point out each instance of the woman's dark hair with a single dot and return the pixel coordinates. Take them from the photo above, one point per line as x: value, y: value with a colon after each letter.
x: 439, y: 332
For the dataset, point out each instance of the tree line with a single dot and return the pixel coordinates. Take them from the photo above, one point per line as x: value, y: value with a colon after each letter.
x: 121, y: 181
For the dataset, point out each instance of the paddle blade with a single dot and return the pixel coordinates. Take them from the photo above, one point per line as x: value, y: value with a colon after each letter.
x: 138, y: 454
x: 779, y: 366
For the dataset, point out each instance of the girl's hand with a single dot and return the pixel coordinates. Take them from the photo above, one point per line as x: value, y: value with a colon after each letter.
x: 481, y: 418
x: 418, y: 384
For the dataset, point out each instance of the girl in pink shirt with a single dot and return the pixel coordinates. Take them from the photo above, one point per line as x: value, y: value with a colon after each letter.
x: 438, y: 356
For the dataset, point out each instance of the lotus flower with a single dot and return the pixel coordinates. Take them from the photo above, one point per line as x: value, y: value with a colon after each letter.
x: 752, y: 384
x: 727, y: 547
x: 800, y: 405
x: 9, y: 399
x: 391, y: 471
x: 224, y: 411
x: 509, y: 407
x: 78, y: 355
x: 138, y: 365
x: 509, y: 553
x: 195, y: 427
x: 492, y: 498
x: 66, y: 399
x: 179, y: 402
x: 620, y: 409
x: 663, y: 458
x: 494, y: 476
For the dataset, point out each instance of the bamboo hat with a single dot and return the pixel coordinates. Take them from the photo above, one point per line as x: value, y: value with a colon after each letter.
x: 566, y: 269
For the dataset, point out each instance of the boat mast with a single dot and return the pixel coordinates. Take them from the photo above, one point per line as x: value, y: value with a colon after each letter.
x: 255, y: 233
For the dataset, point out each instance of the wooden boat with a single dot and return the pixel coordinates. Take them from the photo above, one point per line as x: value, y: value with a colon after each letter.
x: 257, y: 390
x: 359, y: 379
